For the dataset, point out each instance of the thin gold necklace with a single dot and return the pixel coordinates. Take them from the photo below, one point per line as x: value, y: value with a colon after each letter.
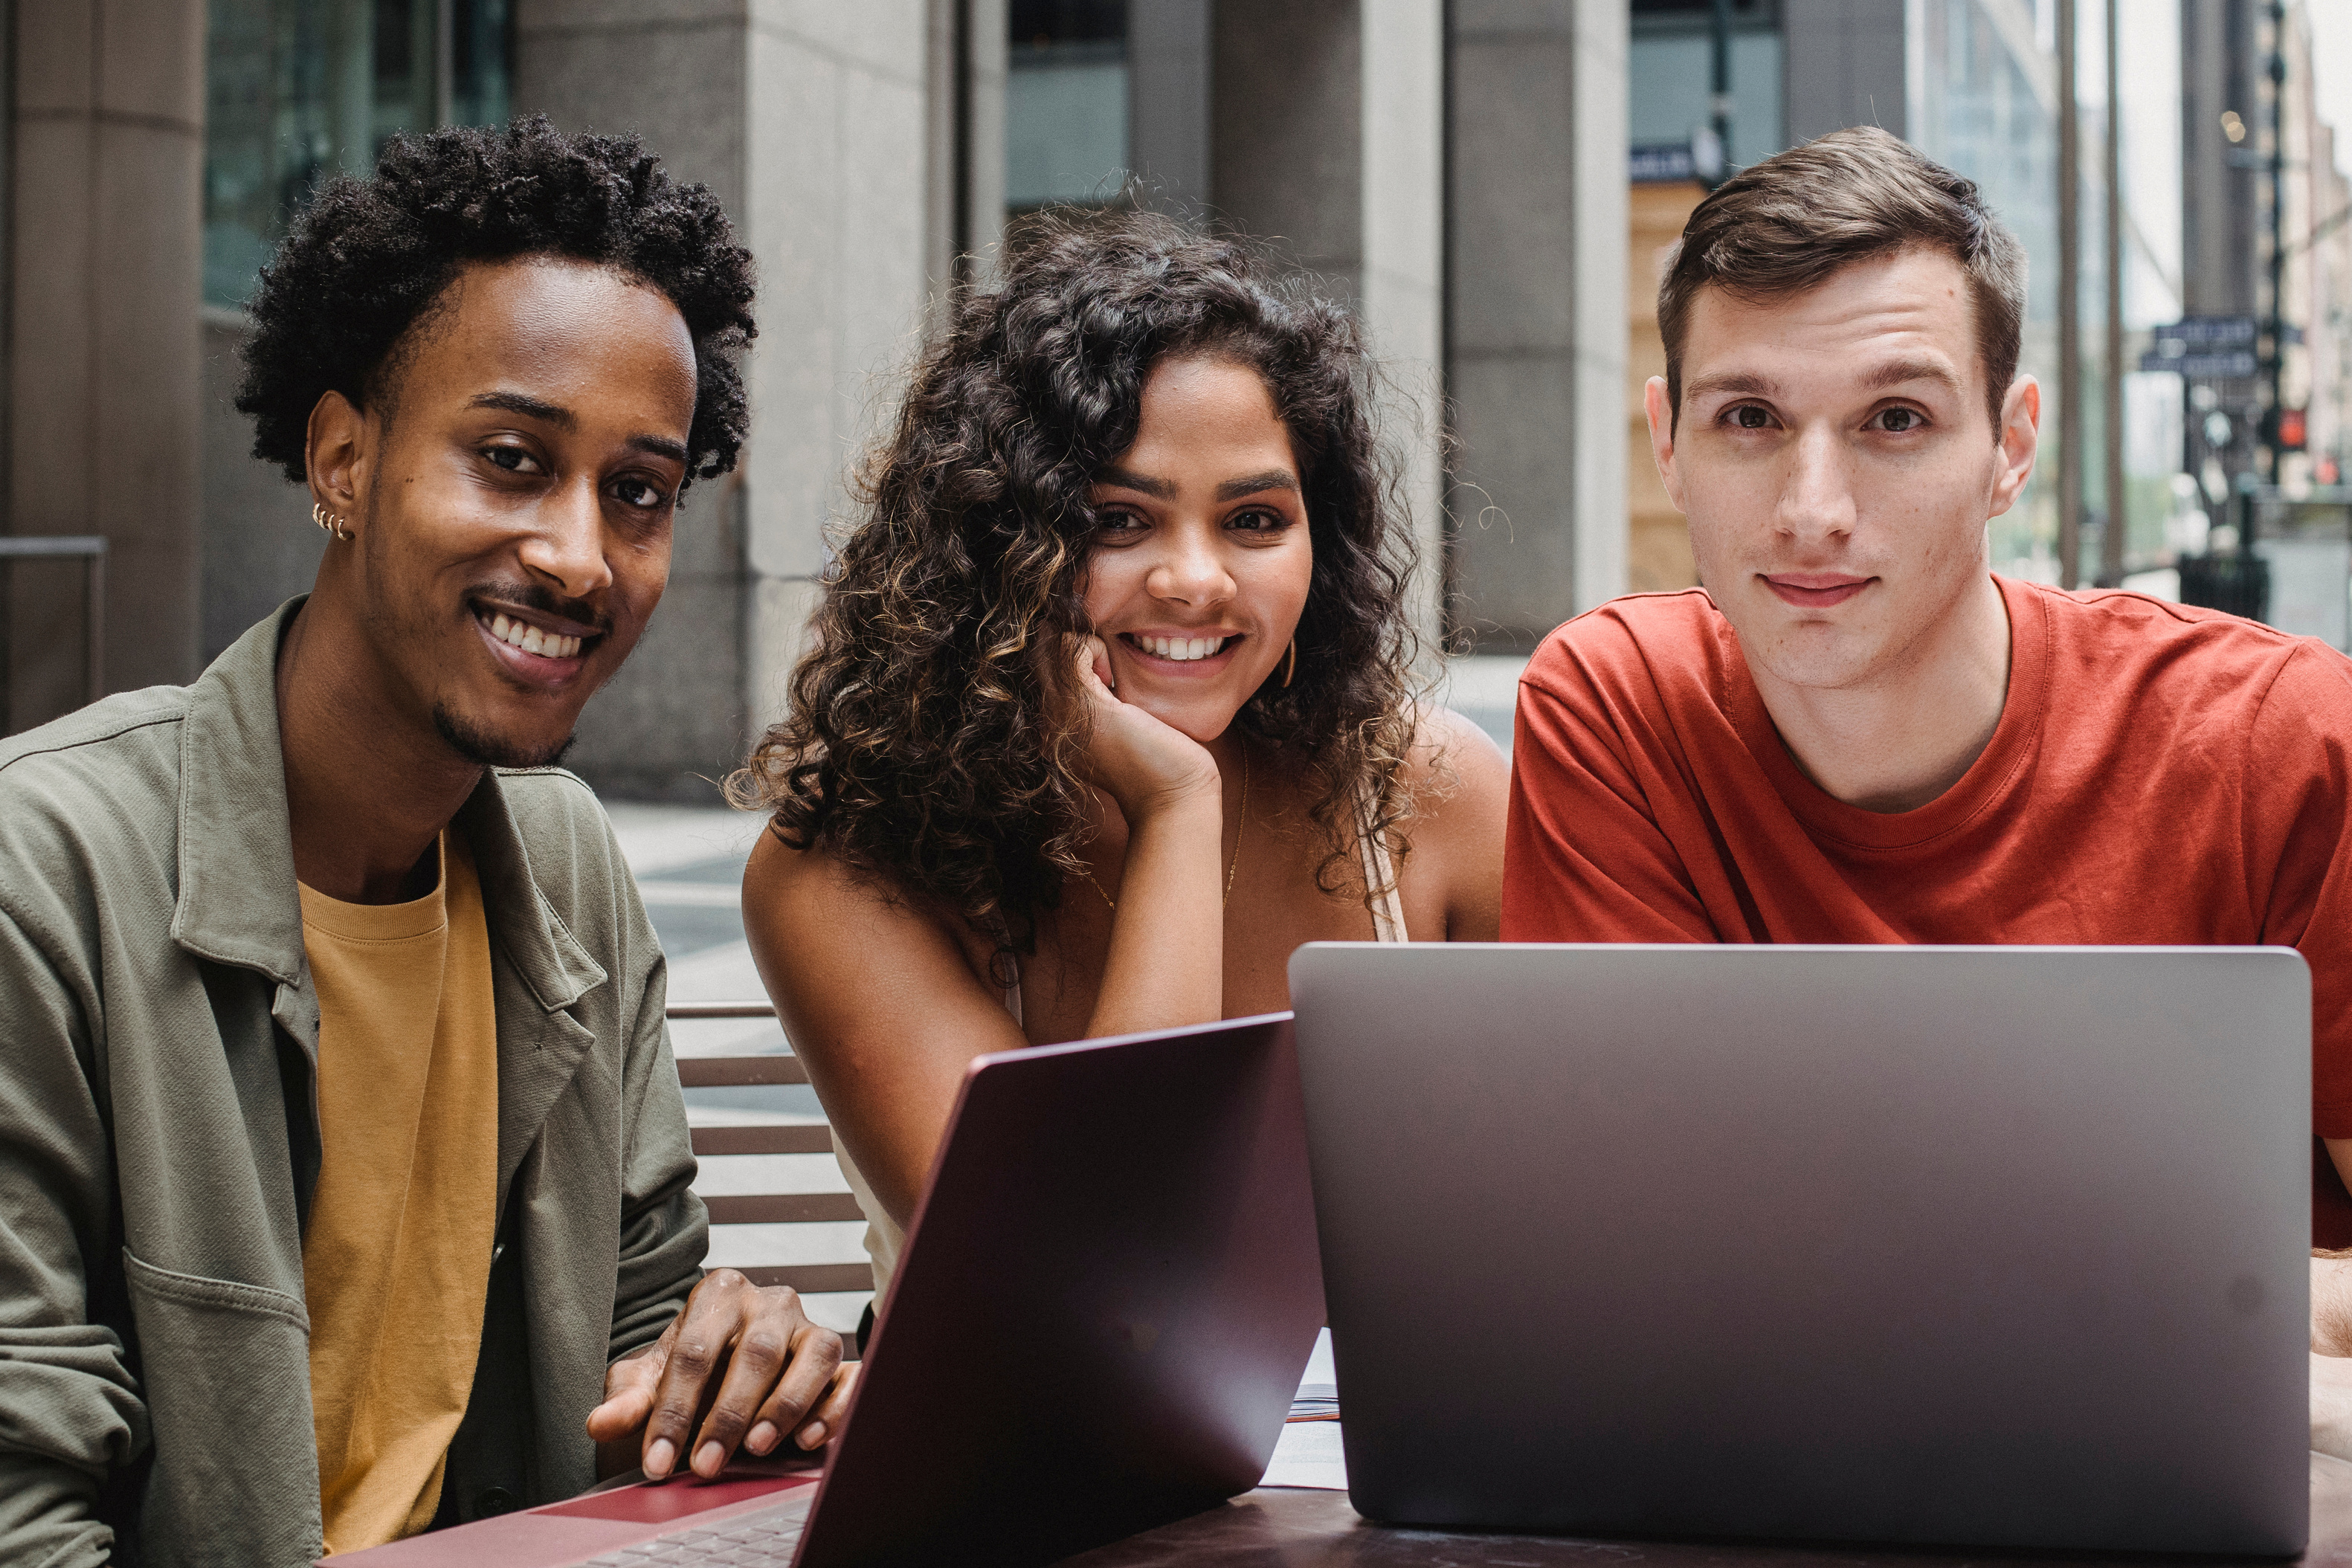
x: 1241, y: 827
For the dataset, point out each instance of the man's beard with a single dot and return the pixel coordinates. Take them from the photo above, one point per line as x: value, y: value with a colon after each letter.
x: 483, y: 750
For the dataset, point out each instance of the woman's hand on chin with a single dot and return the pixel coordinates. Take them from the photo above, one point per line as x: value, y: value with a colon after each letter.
x: 1146, y: 764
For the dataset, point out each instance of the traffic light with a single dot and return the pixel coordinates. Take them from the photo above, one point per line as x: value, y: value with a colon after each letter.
x: 2286, y: 429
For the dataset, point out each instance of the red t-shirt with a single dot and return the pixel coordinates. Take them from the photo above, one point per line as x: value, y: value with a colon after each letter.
x: 2161, y: 775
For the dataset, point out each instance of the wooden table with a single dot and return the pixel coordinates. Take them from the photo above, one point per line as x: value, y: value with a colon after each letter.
x: 1283, y: 1529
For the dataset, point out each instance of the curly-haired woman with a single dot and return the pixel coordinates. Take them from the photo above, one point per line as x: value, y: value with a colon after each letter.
x: 1108, y: 707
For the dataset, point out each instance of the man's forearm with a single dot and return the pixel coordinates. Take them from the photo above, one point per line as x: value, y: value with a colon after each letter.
x: 48, y: 1515
x: 662, y: 1249
x: 2331, y: 1302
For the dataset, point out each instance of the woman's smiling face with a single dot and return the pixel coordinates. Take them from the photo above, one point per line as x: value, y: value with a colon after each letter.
x: 1200, y: 569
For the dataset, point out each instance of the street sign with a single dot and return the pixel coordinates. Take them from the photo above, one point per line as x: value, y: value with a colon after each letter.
x: 2237, y: 364
x: 2194, y: 332
x: 2205, y: 347
x: 1662, y: 163
x: 1673, y: 162
x: 2210, y: 348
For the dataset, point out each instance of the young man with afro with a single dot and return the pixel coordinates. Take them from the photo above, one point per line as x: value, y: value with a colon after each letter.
x: 345, y: 1165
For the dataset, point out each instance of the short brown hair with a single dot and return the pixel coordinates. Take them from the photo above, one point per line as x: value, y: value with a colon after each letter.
x: 1790, y: 223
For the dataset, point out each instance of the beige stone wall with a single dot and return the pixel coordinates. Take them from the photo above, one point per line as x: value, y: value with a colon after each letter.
x: 103, y: 378
x: 1286, y: 132
x: 260, y: 546
x: 1659, y: 552
x: 1535, y: 359
x: 1401, y: 273
x: 816, y: 124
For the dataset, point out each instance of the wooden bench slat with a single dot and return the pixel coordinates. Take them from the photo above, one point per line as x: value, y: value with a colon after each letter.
x: 791, y: 1138
x: 783, y: 1209
x: 803, y: 1138
x: 811, y: 1278
x: 762, y: 1009
x: 739, y: 1071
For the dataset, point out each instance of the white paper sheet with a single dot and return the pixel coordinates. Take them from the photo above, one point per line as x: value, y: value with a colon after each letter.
x: 1307, y: 1453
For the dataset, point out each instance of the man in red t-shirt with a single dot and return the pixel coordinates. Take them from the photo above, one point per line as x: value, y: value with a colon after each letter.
x: 1855, y: 732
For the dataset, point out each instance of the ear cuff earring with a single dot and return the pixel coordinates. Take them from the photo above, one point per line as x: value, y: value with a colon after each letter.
x: 334, y: 524
x: 1290, y: 665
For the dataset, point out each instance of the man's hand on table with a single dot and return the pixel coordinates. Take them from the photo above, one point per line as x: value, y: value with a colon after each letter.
x: 2331, y: 1354
x: 745, y: 1360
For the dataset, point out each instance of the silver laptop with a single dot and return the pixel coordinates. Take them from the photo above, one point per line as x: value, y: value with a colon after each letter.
x: 1966, y: 1245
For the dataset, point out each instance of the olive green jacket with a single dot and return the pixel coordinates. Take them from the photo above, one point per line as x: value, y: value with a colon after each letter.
x: 159, y: 1136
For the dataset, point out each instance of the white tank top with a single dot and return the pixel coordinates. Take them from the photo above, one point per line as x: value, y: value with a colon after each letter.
x: 884, y: 1240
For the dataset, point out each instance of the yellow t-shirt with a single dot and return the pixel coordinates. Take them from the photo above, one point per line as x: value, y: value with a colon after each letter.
x: 397, y: 1258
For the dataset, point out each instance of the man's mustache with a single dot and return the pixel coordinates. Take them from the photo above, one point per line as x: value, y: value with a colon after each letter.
x: 536, y: 596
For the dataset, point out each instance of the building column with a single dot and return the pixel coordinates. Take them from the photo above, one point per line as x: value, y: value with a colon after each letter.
x: 1403, y: 270
x: 1600, y: 218
x: 1169, y: 48
x: 968, y: 67
x: 1326, y: 140
x: 103, y: 366
x: 1286, y: 133
x: 814, y: 124
x: 981, y: 150
x: 1846, y: 64
x: 1536, y: 286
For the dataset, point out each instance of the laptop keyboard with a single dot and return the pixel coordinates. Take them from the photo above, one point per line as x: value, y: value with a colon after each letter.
x: 761, y: 1540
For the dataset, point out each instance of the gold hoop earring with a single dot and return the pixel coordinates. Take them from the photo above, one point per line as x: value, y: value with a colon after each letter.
x: 1290, y: 665
x: 329, y: 521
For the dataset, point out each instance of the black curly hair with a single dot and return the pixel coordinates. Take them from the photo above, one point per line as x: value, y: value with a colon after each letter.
x: 933, y: 735
x: 368, y: 257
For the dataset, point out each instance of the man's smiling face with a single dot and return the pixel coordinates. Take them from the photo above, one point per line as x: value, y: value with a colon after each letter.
x: 1834, y: 455
x: 513, y: 497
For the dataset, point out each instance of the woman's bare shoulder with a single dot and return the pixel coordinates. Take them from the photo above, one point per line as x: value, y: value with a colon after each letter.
x: 1461, y: 796
x: 824, y: 931
x: 1452, y: 757
x: 789, y: 885
x: 777, y: 869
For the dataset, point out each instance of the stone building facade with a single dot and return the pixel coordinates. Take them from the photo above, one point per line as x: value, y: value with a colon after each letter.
x: 1454, y: 172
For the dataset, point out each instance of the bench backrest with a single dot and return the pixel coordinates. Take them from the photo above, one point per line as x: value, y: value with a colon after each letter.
x: 786, y: 1207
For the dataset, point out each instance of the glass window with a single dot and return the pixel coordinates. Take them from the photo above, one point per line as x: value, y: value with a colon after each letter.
x: 299, y: 90
x: 2148, y: 67
x: 1670, y: 73
x: 481, y: 62
x: 1983, y: 99
x: 1064, y: 101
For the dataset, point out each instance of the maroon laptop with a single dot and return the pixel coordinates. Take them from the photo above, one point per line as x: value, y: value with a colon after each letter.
x: 1106, y: 1301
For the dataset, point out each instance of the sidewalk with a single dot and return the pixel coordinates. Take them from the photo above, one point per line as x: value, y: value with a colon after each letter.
x: 688, y: 862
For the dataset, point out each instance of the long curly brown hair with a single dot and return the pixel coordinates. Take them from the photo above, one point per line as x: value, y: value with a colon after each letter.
x: 936, y: 732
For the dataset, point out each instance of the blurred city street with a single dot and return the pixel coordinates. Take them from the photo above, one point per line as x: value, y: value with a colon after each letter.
x: 2189, y: 311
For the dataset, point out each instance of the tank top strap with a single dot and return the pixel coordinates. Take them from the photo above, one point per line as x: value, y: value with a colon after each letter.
x: 1005, y: 966
x: 1380, y: 876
